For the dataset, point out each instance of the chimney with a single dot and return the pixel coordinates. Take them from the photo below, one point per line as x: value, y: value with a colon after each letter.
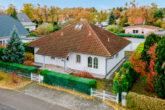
x: 108, y: 39
x: 90, y: 33
x: 62, y: 33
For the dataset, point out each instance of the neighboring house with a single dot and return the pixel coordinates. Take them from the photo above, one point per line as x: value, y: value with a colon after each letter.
x: 81, y: 46
x: 7, y: 24
x: 26, y: 22
x: 103, y: 24
x: 141, y: 29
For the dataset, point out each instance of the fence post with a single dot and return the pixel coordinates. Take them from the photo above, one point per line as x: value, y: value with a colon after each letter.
x: 103, y: 94
x: 117, y: 98
x: 124, y: 94
x: 91, y: 92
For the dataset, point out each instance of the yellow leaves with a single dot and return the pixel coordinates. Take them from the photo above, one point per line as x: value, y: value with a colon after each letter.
x: 29, y: 56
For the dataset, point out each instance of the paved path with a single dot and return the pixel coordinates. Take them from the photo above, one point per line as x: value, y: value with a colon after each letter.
x: 13, y: 100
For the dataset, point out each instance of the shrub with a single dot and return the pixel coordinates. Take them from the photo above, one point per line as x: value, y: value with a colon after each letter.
x: 33, y: 34
x: 28, y: 63
x: 140, y: 48
x: 28, y: 49
x: 124, y: 79
x: 68, y: 81
x: 150, y: 41
x: 1, y: 53
x: 29, y: 56
x: 83, y: 74
x: 45, y: 29
x: 142, y: 102
x: 57, y: 28
x: 28, y: 29
x: 115, y: 29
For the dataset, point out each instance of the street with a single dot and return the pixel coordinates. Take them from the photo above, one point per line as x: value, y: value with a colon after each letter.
x: 13, y: 100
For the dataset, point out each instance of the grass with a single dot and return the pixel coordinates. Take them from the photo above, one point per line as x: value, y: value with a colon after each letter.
x: 139, y: 87
x: 7, y: 82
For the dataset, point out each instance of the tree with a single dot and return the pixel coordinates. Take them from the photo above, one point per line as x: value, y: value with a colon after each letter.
x: 150, y: 41
x: 111, y: 18
x: 14, y: 51
x: 14, y: 14
x: 160, y: 68
x: 10, y: 9
x: 29, y: 10
x: 158, y: 14
x: 45, y: 29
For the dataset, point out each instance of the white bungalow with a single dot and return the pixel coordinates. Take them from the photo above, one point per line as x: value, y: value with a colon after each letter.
x: 81, y: 47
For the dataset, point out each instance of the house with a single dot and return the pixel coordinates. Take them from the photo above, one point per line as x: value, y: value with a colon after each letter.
x: 6, y: 26
x: 81, y: 46
x: 141, y: 29
x: 103, y: 24
x: 26, y: 22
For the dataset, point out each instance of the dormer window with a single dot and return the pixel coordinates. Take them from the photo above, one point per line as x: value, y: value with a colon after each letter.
x: 78, y: 26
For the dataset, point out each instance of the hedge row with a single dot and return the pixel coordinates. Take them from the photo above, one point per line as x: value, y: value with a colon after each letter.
x: 11, y: 67
x: 129, y: 35
x: 124, y: 79
x: 142, y: 102
x: 68, y: 81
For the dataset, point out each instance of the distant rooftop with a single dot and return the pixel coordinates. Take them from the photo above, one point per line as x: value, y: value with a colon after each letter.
x: 143, y: 26
x: 6, y: 26
x: 23, y: 17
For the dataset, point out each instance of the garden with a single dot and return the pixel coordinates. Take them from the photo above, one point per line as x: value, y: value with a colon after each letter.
x: 143, y: 75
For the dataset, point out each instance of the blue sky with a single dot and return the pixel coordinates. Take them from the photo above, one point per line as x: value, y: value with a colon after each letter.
x: 99, y: 4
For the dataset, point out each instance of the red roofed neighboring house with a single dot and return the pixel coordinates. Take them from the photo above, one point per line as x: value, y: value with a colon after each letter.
x: 141, y: 29
x: 81, y: 46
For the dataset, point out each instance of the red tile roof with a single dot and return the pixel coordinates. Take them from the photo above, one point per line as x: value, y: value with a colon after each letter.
x: 90, y: 39
x: 143, y: 26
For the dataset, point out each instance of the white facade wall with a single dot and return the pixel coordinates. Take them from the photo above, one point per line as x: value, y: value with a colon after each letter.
x: 141, y: 31
x: 112, y: 62
x: 3, y: 40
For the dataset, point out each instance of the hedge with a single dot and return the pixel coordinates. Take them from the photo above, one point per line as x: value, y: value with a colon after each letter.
x: 22, y: 69
x: 142, y: 102
x: 28, y: 49
x: 68, y: 81
x: 129, y: 35
x: 124, y: 79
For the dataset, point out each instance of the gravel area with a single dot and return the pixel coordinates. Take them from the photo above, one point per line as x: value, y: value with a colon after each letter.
x: 65, y: 99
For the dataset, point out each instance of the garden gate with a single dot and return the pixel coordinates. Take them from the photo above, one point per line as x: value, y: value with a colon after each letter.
x: 36, y: 77
x: 104, y: 95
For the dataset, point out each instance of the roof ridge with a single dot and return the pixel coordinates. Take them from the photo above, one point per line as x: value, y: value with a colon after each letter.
x: 98, y: 37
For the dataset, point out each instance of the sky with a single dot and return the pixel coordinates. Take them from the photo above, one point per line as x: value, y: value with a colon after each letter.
x: 98, y: 4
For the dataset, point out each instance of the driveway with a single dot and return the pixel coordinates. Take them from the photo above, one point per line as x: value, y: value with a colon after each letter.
x: 13, y: 100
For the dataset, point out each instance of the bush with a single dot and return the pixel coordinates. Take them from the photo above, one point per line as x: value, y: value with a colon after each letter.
x: 28, y: 49
x: 28, y: 63
x: 33, y: 34
x: 68, y: 81
x: 140, y: 48
x: 57, y: 28
x: 142, y: 102
x: 124, y: 79
x: 1, y: 52
x: 115, y: 29
x: 83, y: 74
x: 45, y: 29
x: 129, y: 35
x: 29, y: 56
x: 28, y: 29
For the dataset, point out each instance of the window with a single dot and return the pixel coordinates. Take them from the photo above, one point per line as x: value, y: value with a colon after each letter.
x: 137, y: 31
x: 67, y: 58
x: 0, y: 42
x: 96, y: 63
x: 90, y: 62
x: 117, y: 55
x: 78, y: 59
x: 134, y: 31
x: 52, y: 57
